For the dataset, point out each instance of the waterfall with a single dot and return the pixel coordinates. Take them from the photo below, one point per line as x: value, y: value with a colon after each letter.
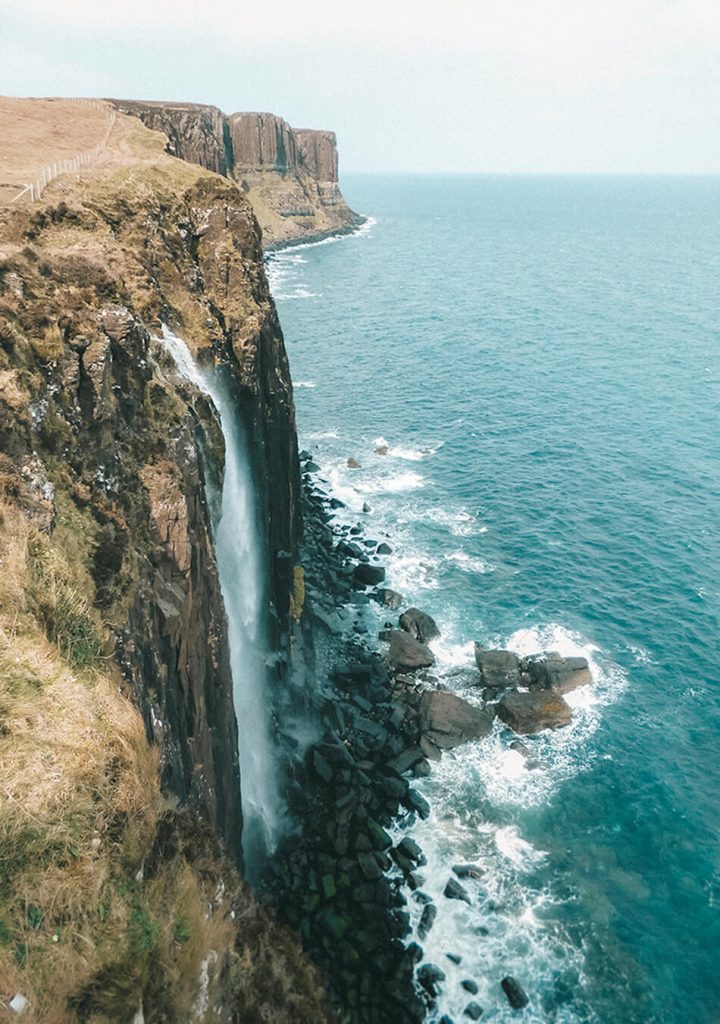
x: 241, y: 567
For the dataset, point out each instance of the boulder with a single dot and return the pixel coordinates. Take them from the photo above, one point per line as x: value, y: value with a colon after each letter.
x: 559, y: 674
x: 384, y: 549
x: 454, y: 891
x: 470, y: 986
x: 382, y: 449
x: 447, y: 720
x: 389, y: 598
x: 353, y: 463
x: 515, y: 993
x: 499, y: 670
x: 430, y: 977
x: 468, y: 871
x: 473, y: 1011
x: 419, y: 625
x: 533, y: 712
x: 368, y: 575
x: 427, y: 920
x: 406, y: 653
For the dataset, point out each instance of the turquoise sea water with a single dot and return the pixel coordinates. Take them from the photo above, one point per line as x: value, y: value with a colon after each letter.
x: 542, y: 358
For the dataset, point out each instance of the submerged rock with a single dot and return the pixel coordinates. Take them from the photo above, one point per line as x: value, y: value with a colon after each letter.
x: 474, y: 1011
x: 419, y: 625
x: 533, y: 712
x: 499, y: 669
x: 515, y: 993
x: 353, y: 463
x: 447, y: 720
x: 406, y: 653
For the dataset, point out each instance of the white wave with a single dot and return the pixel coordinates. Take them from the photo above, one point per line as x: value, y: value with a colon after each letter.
x: 305, y: 384
x: 411, y: 572
x: 459, y: 521
x: 469, y: 564
x: 511, y: 845
x: 408, y: 481
x: 323, y: 435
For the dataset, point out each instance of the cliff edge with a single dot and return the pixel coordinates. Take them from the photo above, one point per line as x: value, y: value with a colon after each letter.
x: 289, y: 175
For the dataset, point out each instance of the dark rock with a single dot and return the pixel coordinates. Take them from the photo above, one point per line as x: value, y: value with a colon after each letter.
x: 369, y: 575
x: 446, y: 1020
x: 468, y: 871
x: 559, y: 674
x: 430, y: 977
x: 369, y: 867
x: 407, y: 759
x: 527, y: 713
x: 474, y: 1011
x: 304, y: 456
x: 455, y: 957
x: 366, y: 508
x: 419, y: 625
x: 384, y: 549
x: 389, y: 598
x: 422, y: 769
x: 454, y: 891
x: 312, y: 467
x: 406, y: 653
x: 431, y: 750
x: 515, y: 993
x: 417, y: 803
x: 470, y: 986
x: 448, y: 720
x: 336, y: 503
x: 410, y: 849
x: 499, y: 670
x: 322, y: 766
x: 427, y: 920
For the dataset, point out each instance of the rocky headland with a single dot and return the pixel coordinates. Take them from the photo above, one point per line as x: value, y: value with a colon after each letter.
x: 289, y: 175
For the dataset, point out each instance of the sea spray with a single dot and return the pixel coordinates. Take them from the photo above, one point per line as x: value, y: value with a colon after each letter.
x: 240, y: 559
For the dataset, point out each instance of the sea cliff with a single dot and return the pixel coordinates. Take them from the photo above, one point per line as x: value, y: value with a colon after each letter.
x: 121, y: 828
x: 290, y: 176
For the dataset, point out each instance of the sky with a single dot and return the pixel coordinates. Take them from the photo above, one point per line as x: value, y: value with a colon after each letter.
x: 491, y: 86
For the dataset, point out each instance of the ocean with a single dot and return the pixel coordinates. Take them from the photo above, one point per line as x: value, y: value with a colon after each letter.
x: 540, y: 358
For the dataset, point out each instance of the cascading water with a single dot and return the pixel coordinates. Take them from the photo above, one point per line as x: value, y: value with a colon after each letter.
x: 239, y: 551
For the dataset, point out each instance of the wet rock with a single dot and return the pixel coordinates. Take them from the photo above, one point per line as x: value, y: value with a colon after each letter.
x: 336, y: 503
x: 410, y: 849
x: 559, y: 674
x: 431, y: 750
x: 384, y: 549
x: 382, y: 449
x: 499, y: 670
x: 528, y: 713
x: 447, y: 720
x: 407, y: 760
x: 515, y: 993
x: 468, y: 871
x: 454, y: 891
x: 417, y: 803
x: 312, y: 467
x: 366, y: 508
x: 431, y: 978
x: 427, y: 920
x: 369, y: 867
x: 446, y: 1020
x: 454, y: 957
x: 353, y: 463
x: 368, y: 575
x: 470, y: 986
x: 322, y: 766
x: 304, y: 456
x: 406, y: 653
x: 473, y: 1010
x: 521, y: 748
x: 419, y: 625
x: 388, y: 598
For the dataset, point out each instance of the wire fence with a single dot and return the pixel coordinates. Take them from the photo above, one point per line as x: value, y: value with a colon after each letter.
x: 34, y: 189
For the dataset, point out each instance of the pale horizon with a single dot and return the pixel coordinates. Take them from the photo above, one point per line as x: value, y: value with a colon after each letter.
x: 544, y: 88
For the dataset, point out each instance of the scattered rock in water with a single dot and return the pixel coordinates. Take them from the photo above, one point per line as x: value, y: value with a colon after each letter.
x: 470, y: 986
x: 311, y: 467
x: 447, y: 720
x: 521, y: 748
x: 427, y: 920
x: 406, y: 653
x: 528, y: 713
x: 454, y: 957
x: 368, y: 575
x: 468, y: 871
x: 388, y: 598
x: 410, y: 849
x: 559, y: 674
x: 304, y: 455
x: 499, y: 670
x: 384, y: 549
x: 417, y: 803
x: 382, y: 449
x: 446, y: 1020
x: 430, y: 977
x: 515, y: 993
x: 336, y: 503
x: 454, y: 891
x: 353, y: 463
x: 473, y: 1010
x: 419, y: 625
x: 366, y: 508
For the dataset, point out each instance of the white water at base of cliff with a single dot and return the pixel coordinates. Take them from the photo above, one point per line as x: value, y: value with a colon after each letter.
x: 240, y: 561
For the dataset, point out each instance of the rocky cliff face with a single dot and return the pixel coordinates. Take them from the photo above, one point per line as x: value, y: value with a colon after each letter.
x: 289, y: 176
x: 104, y: 452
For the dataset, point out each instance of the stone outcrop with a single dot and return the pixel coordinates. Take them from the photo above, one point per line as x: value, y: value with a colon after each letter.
x: 289, y: 176
x: 447, y: 720
x: 531, y: 712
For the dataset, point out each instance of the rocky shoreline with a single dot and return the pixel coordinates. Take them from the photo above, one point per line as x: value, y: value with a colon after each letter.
x: 343, y: 880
